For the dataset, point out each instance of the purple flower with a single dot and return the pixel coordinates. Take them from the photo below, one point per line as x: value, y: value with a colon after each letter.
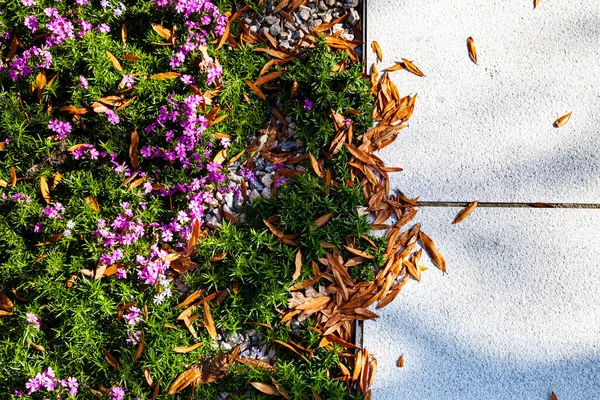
x: 61, y: 128
x: 104, y: 3
x: 29, y: 3
x: 128, y: 80
x: 187, y: 79
x: 347, y: 121
x: 116, y: 393
x: 71, y: 383
x: 113, y: 118
x: 103, y: 28
x: 133, y: 316
x: 280, y: 181
x: 53, y: 211
x: 225, y: 142
x: 213, y: 73
x: 61, y: 29
x: 51, y: 12
x: 83, y: 82
x: 121, y: 273
x: 32, y: 23
x: 81, y: 2
x: 308, y: 104
x: 84, y: 27
x: 117, y: 12
x: 17, y: 393
x: 247, y: 174
x: 37, y: 228
x: 34, y: 384
x: 32, y: 320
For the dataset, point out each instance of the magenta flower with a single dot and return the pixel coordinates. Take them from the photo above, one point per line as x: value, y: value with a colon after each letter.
x: 37, y: 228
x: 308, y: 104
x: 103, y: 28
x: 83, y: 82
x: 347, y: 122
x: 121, y: 273
x: 116, y: 393
x: 128, y: 81
x: 213, y: 73
x: 81, y: 2
x: 32, y: 320
x: 53, y: 211
x: 72, y: 384
x: 32, y: 23
x: 133, y: 316
x: 225, y: 142
x: 113, y: 118
x: 280, y: 181
x: 29, y: 3
x: 61, y: 128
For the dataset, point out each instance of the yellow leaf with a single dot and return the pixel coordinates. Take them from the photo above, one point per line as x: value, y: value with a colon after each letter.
x: 465, y: 212
x: 162, y: 31
x: 124, y: 34
x: 13, y: 177
x: 536, y: 3
x: 377, y: 49
x: 323, y: 220
x: 40, y: 83
x: 93, y: 203
x: 114, y: 61
x: 5, y: 303
x: 412, y: 67
x: 472, y: 49
x: 164, y: 76
x: 562, y: 121
x: 256, y: 90
x: 193, y: 240
x: 45, y: 189
x: 57, y: 179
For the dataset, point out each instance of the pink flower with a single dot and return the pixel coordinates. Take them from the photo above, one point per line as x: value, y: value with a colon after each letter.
x: 308, y: 104
x: 103, y: 28
x: 32, y: 23
x: 62, y: 128
x: 113, y: 118
x: 225, y: 142
x: 32, y: 320
x: 83, y: 82
x: 213, y: 73
x: 128, y: 81
x: 29, y: 3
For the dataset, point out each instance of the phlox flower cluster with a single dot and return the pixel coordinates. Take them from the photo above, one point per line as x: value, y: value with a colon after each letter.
x: 53, y: 211
x: 21, y: 65
x: 61, y: 128
x: 33, y: 320
x: 122, y: 231
x: 152, y: 267
x: 47, y: 380
x: 116, y: 393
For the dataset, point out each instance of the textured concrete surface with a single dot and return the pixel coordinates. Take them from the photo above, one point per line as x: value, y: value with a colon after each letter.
x: 485, y: 132
x: 517, y: 315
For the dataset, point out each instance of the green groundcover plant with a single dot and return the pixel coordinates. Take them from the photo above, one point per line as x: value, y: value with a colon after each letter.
x: 107, y: 157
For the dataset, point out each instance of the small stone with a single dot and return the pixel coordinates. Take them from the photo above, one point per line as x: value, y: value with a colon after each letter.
x: 268, y: 168
x: 259, y: 164
x: 229, y: 200
x: 220, y: 197
x: 354, y: 17
x: 326, y: 17
x: 315, y: 22
x: 284, y: 35
x: 254, y: 28
x: 337, y: 27
x: 351, y: 4
x: 288, y: 146
x: 304, y: 12
x: 275, y: 29
x: 312, y: 6
x: 285, y: 44
x: 213, y: 221
x: 213, y: 203
x: 322, y: 6
x: 271, y: 19
x: 266, y: 193
x: 235, y: 178
x: 253, y: 194
x: 227, y: 209
x: 256, y: 185
x: 267, y: 180
x: 226, y: 346
x: 247, y: 20
x: 330, y: 3
x: 260, y: 174
x: 238, y: 201
x: 289, y: 27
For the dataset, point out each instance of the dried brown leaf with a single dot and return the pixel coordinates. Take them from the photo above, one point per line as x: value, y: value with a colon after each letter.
x: 124, y: 34
x: 535, y: 4
x: 131, y: 57
x: 208, y: 321
x: 377, y: 50
x: 265, y: 388
x: 140, y: 349
x: 298, y: 269
x: 400, y: 362
x: 255, y: 89
x: 315, y: 165
x: 562, y: 121
x: 433, y: 252
x: 45, y: 189
x: 553, y: 396
x: 5, y: 303
x: 57, y: 179
x: 187, y: 349
x: 162, y: 31
x: 465, y: 212
x: 156, y: 390
x: 114, y: 61
x: 40, y: 83
x: 193, y: 239
x: 111, y: 359
x: 268, y: 78
x: 411, y: 67
x: 164, y: 76
x: 323, y: 220
x: 472, y: 49
x: 133, y: 149
x: 13, y: 177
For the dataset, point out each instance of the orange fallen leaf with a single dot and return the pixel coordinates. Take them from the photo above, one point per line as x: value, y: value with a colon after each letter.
x: 13, y: 177
x: 400, y: 363
x: 208, y: 321
x: 114, y: 61
x: 164, y: 76
x: 130, y: 57
x: 40, y: 83
x: 433, y: 252
x: 193, y: 240
x: 57, y: 179
x: 187, y: 349
x: 5, y: 302
x: 412, y: 67
x: 268, y: 78
x: 472, y: 49
x: 465, y: 212
x: 162, y: 31
x: 140, y: 349
x: 45, y: 189
x: 124, y: 34
x: 562, y: 121
x: 536, y: 3
x: 255, y: 89
x: 323, y: 220
x: 93, y: 203
x: 377, y: 49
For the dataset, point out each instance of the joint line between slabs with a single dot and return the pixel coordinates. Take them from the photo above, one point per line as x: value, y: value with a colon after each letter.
x: 509, y: 205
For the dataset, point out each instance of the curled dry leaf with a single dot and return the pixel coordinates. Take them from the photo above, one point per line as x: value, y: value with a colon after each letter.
x: 57, y: 179
x: 377, y: 50
x: 535, y: 4
x: 323, y: 220
x: 193, y: 240
x: 156, y: 390
x: 553, y: 396
x: 131, y: 57
x: 472, y: 49
x: 255, y: 89
x: 267, y: 78
x: 13, y: 177
x: 40, y: 83
x: 562, y: 121
x: 140, y: 349
x: 124, y: 34
x: 465, y: 212
x: 412, y: 67
x: 162, y: 31
x: 45, y: 189
x: 93, y: 203
x: 114, y: 61
x: 133, y: 149
x: 265, y: 388
x: 148, y: 377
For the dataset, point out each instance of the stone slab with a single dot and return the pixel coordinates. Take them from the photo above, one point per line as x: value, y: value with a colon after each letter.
x: 516, y: 316
x: 485, y: 132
